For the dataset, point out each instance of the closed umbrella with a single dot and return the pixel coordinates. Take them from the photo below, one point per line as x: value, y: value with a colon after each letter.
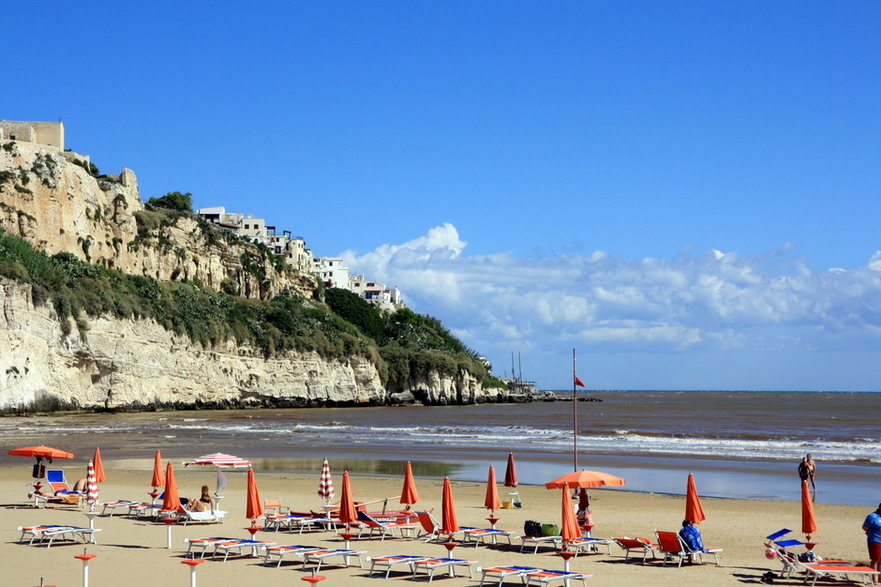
x: 158, y: 477
x: 347, y: 514
x: 585, y: 478
x: 91, y: 486
x: 808, y: 521
x: 511, y: 472
x: 409, y: 495
x: 171, y: 501
x: 491, y: 501
x: 254, y: 507
x: 100, y: 477
x: 325, y: 484
x: 569, y: 529
x: 694, y: 511
x: 449, y: 521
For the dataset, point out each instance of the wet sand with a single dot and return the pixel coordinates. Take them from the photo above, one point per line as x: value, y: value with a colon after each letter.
x: 132, y: 552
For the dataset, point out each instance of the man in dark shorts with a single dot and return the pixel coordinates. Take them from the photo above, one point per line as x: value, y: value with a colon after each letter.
x: 872, y: 528
x: 806, y: 469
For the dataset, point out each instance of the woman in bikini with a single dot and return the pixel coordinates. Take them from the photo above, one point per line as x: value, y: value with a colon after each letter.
x: 205, y: 501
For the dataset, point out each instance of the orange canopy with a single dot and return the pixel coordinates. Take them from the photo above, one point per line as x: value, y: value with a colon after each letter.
x: 99, y: 466
x: 569, y: 530
x: 254, y: 506
x: 585, y: 478
x: 491, y: 502
x: 449, y: 521
x: 171, y: 501
x: 694, y: 511
x: 158, y: 477
x: 808, y: 522
x: 409, y: 495
x: 41, y: 451
x: 347, y: 502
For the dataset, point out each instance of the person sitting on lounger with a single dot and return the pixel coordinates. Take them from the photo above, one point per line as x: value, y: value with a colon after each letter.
x: 80, y: 486
x: 204, y: 503
x: 692, y: 537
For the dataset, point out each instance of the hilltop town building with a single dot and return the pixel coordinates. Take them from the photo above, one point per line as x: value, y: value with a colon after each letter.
x: 388, y: 298
x: 50, y: 134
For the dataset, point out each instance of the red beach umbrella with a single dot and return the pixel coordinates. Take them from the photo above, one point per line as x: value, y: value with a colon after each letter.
x: 158, y: 477
x: 694, y: 511
x: 41, y: 451
x: 449, y: 521
x: 347, y: 514
x: 91, y: 485
x: 511, y: 472
x: 409, y: 495
x: 325, y: 484
x: 808, y: 522
x: 585, y: 478
x: 569, y: 530
x: 171, y: 501
x: 254, y: 506
x: 100, y: 477
x: 491, y: 502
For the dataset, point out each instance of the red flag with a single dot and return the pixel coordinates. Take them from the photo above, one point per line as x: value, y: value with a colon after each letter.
x: 579, y: 382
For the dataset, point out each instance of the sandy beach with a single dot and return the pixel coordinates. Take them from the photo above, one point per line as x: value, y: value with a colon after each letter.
x: 133, y: 551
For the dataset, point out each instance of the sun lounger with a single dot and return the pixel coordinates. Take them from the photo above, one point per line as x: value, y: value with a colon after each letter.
x: 551, y: 541
x: 205, y: 543
x: 639, y: 545
x: 672, y: 546
x: 789, y: 560
x: 504, y: 572
x: 587, y: 544
x: 48, y: 534
x: 291, y: 522
x: 368, y: 522
x: 387, y: 562
x: 431, y: 565
x: 240, y: 546
x: 281, y: 551
x: 821, y: 571
x: 114, y: 505
x: 547, y: 576
x: 318, y: 556
x: 36, y: 532
x: 493, y: 534
x: 208, y: 517
x: 432, y: 528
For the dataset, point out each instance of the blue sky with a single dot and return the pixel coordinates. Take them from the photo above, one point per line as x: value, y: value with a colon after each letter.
x: 686, y: 192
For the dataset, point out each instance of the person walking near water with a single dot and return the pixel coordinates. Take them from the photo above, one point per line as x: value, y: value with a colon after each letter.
x: 872, y: 528
x: 806, y: 469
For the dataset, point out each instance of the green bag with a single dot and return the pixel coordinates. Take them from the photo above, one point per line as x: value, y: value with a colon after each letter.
x: 550, y: 530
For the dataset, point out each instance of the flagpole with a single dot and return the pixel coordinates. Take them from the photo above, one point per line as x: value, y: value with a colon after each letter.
x: 574, y: 418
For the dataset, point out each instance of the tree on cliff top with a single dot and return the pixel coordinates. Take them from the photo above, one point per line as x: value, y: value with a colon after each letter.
x: 174, y: 201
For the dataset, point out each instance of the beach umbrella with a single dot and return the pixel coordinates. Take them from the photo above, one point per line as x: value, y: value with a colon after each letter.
x: 158, y: 477
x: 585, y: 478
x: 347, y: 513
x: 511, y: 472
x: 41, y: 452
x: 254, y: 506
x: 171, y: 501
x: 491, y: 501
x: 100, y: 477
x: 91, y: 485
x: 694, y: 511
x: 449, y: 521
x: 409, y: 495
x: 808, y: 522
x: 569, y: 529
x: 219, y: 459
x: 325, y: 484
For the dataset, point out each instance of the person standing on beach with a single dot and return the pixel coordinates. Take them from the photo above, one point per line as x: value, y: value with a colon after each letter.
x: 806, y: 469
x: 872, y: 528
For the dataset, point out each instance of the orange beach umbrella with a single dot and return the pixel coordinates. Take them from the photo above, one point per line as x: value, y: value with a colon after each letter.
x: 449, y: 521
x: 254, y: 506
x: 347, y: 513
x: 171, y: 501
x: 511, y: 472
x: 808, y: 522
x: 569, y: 530
x: 585, y: 478
x: 694, y: 511
x: 491, y: 502
x: 99, y: 466
x: 41, y: 451
x: 158, y: 477
x: 409, y: 495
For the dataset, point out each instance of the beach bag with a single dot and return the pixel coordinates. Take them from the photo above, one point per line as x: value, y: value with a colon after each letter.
x: 808, y: 557
x: 532, y: 528
x: 550, y: 530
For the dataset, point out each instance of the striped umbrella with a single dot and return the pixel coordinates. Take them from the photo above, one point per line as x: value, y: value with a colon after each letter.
x: 91, y: 486
x: 220, y: 459
x: 325, y: 485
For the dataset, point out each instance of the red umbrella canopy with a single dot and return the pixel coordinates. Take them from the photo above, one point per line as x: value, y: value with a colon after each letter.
x: 569, y: 530
x: 585, y: 478
x: 449, y: 521
x: 325, y: 484
x: 347, y: 502
x: 694, y: 511
x: 808, y: 521
x: 99, y: 466
x: 158, y: 477
x: 41, y: 451
x: 491, y: 502
x: 171, y: 501
x: 219, y: 459
x: 409, y: 495
x: 254, y: 506
x: 511, y: 472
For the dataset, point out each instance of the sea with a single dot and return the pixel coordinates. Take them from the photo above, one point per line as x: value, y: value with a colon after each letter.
x: 739, y: 444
